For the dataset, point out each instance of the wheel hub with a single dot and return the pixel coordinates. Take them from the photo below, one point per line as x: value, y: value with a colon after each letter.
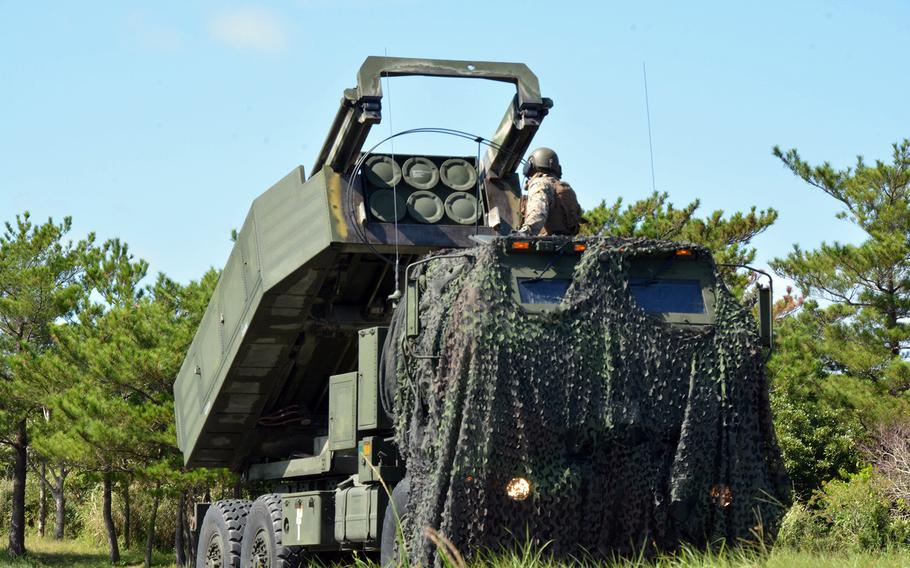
x: 259, y: 551
x: 214, y: 554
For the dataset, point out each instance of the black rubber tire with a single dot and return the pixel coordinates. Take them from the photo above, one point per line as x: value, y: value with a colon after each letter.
x: 225, y: 520
x: 388, y: 546
x: 265, y: 518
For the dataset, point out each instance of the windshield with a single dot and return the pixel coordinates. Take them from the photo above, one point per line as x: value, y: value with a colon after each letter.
x: 681, y: 296
x: 542, y: 290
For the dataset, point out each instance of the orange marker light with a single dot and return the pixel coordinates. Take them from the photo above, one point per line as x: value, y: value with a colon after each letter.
x: 521, y: 245
x: 578, y: 247
x: 684, y: 252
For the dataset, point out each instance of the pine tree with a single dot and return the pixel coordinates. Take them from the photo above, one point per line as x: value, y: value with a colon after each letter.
x: 865, y: 287
x: 41, y: 283
x: 116, y: 415
x: 83, y: 428
x: 840, y: 366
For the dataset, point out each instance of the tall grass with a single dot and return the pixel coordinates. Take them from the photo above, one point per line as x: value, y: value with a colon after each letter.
x: 535, y: 557
x: 82, y: 554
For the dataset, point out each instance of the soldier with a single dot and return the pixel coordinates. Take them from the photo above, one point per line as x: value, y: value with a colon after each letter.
x: 550, y: 207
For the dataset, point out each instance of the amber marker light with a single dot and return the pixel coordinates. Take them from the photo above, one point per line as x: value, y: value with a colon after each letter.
x: 518, y: 489
x: 366, y: 448
x: 684, y: 252
x: 722, y: 496
x: 521, y: 245
x: 578, y: 247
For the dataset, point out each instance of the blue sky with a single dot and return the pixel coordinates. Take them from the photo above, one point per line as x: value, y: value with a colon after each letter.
x: 160, y: 122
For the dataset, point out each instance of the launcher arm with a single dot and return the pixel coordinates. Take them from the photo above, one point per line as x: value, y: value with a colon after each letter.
x: 361, y: 108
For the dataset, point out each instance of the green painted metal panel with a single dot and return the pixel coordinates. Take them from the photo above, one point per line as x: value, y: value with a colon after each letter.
x: 343, y: 412
x: 232, y: 297
x: 209, y: 352
x: 249, y: 250
x: 255, y: 314
x: 308, y: 518
x: 369, y: 415
x: 300, y: 467
x: 189, y: 391
x: 293, y: 225
x: 412, y: 297
x: 358, y: 513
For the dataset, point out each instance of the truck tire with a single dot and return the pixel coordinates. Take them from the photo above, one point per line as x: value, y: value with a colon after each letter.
x: 390, y: 546
x: 261, y: 547
x: 220, y: 534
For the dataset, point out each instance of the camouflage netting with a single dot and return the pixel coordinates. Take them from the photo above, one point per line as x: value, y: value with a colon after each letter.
x: 634, y: 433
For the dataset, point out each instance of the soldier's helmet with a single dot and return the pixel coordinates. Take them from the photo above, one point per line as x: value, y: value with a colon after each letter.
x: 542, y: 160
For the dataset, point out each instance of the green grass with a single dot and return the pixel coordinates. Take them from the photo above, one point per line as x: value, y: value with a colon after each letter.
x: 47, y: 553
x: 779, y: 558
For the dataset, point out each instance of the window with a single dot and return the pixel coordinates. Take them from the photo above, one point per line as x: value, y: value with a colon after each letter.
x: 668, y: 296
x: 542, y: 290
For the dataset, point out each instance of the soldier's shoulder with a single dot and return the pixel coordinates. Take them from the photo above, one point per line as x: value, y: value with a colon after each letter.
x: 565, y: 185
x: 542, y: 181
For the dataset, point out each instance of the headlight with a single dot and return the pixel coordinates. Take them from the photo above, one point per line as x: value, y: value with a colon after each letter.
x: 518, y: 489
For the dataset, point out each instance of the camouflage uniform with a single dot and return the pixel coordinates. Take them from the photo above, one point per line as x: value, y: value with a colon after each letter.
x: 541, y: 196
x: 542, y: 214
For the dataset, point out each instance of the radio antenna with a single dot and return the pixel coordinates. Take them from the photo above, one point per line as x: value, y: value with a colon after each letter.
x: 396, y: 294
x: 644, y: 71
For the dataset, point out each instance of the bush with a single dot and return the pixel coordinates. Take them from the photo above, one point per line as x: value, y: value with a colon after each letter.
x: 854, y: 514
x: 800, y: 526
x: 818, y: 442
x: 856, y: 510
x: 818, y: 432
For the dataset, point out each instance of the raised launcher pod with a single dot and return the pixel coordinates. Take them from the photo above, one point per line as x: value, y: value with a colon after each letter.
x: 422, y: 190
x: 312, y: 265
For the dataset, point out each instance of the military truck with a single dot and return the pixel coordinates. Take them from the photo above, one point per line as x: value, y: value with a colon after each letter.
x: 294, y: 375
